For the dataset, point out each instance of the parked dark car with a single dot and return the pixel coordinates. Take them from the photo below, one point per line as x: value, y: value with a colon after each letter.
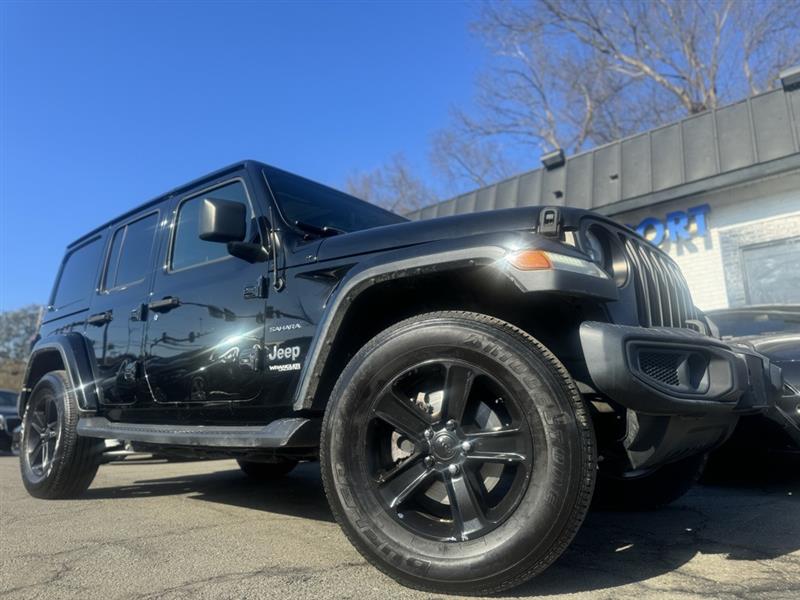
x: 459, y: 379
x: 774, y: 331
x: 9, y: 419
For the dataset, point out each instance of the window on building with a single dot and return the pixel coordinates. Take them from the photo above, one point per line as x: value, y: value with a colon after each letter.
x: 188, y: 249
x: 131, y: 248
x: 771, y: 273
x: 77, y: 279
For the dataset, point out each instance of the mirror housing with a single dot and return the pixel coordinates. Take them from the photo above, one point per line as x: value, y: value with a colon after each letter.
x: 252, y: 253
x: 222, y: 221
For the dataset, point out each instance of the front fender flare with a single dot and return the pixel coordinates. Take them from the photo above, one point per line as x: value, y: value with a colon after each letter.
x: 410, y: 262
x: 407, y: 262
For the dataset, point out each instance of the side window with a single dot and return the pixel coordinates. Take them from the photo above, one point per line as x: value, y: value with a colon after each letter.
x: 77, y: 278
x: 129, y: 259
x: 187, y: 248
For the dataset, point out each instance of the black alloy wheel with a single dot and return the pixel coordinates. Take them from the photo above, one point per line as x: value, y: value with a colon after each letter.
x: 449, y: 450
x: 44, y: 430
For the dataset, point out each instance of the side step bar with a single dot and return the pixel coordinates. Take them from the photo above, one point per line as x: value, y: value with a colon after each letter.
x: 293, y: 432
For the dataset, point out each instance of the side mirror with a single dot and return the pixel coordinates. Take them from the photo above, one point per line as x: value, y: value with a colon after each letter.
x: 222, y: 221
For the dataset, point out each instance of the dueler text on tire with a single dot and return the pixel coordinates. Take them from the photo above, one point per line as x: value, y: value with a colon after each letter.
x: 457, y: 454
x: 54, y: 461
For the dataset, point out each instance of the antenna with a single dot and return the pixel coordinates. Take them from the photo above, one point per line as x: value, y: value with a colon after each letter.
x: 277, y: 281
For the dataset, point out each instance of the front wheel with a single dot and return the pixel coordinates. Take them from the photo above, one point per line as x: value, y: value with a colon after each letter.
x: 457, y: 454
x: 54, y: 461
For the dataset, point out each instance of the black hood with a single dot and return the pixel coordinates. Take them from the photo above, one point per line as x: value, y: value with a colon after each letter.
x: 418, y: 232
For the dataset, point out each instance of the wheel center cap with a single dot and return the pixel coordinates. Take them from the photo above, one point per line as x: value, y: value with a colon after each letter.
x: 445, y: 446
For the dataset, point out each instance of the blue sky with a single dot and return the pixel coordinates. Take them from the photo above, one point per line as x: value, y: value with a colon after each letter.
x: 105, y: 105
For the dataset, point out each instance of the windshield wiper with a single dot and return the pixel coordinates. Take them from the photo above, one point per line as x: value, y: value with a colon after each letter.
x: 319, y: 231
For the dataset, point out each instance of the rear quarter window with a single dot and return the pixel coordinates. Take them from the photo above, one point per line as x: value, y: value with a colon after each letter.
x: 130, y: 255
x: 76, y: 280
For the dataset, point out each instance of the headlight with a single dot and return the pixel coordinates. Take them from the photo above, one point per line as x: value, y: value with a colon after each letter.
x: 539, y: 260
x: 595, y: 248
x: 607, y: 252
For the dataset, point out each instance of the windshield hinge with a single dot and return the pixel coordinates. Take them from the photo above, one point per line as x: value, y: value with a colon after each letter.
x: 550, y: 221
x: 259, y: 290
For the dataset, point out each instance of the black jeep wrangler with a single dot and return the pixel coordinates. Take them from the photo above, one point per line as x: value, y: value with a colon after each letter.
x: 461, y: 380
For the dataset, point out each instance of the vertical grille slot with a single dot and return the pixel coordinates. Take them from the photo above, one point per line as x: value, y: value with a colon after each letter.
x: 662, y: 294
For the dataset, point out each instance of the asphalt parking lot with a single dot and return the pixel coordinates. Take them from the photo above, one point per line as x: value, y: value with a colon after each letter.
x: 202, y: 530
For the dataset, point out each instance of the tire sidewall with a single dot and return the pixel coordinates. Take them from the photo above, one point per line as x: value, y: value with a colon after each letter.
x: 546, y: 506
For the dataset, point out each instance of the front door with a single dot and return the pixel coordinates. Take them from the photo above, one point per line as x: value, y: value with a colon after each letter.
x: 115, y: 327
x: 205, y: 332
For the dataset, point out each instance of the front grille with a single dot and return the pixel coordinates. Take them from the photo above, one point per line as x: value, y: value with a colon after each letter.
x: 661, y: 366
x: 662, y: 294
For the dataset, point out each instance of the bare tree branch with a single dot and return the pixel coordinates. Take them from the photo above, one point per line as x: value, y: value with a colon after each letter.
x: 392, y: 186
x: 468, y: 162
x: 576, y: 73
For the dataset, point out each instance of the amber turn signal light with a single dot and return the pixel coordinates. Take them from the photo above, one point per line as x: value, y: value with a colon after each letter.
x: 530, y: 260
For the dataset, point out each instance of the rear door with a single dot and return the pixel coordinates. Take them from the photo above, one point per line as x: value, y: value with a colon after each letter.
x: 205, y: 329
x: 115, y: 326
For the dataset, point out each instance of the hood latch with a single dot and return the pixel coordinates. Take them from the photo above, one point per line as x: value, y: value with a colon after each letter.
x: 550, y: 222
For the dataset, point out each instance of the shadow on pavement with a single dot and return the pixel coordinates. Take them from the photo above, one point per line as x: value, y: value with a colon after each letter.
x: 739, y: 514
x: 299, y: 494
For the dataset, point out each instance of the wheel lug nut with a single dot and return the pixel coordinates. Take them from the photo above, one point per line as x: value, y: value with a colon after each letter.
x: 466, y: 446
x: 451, y: 425
x: 453, y: 469
x: 429, y: 433
x: 429, y: 461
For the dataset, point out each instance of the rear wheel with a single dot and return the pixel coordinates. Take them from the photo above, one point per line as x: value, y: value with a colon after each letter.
x: 457, y: 454
x: 54, y: 461
x: 266, y: 470
x: 650, y: 488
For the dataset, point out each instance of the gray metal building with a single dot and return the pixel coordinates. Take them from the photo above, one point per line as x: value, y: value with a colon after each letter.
x: 719, y: 191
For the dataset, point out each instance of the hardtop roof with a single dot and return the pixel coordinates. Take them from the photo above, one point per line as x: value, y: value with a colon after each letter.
x: 242, y: 164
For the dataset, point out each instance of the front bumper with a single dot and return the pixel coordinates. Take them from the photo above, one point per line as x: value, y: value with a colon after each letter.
x: 683, y: 391
x: 666, y: 371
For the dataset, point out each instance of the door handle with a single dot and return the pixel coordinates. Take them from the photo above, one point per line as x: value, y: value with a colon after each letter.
x: 100, y: 318
x: 164, y: 305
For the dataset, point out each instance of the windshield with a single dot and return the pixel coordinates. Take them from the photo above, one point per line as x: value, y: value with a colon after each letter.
x: 754, y: 322
x: 303, y: 201
x: 8, y: 398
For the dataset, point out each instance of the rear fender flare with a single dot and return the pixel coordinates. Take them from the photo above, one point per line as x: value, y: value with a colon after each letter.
x: 73, y: 352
